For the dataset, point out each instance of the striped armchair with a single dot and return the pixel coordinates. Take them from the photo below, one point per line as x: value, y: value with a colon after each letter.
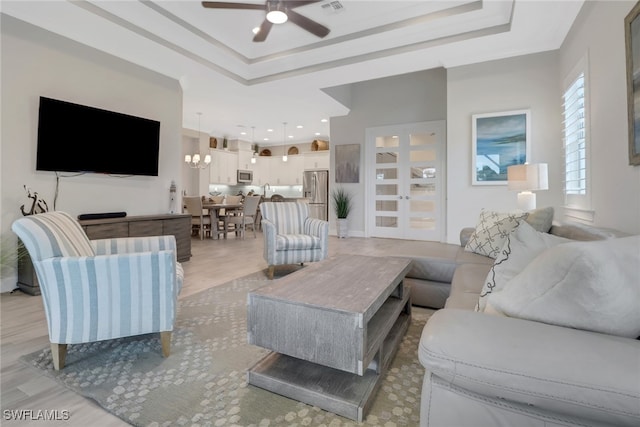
x: 290, y: 236
x: 94, y: 290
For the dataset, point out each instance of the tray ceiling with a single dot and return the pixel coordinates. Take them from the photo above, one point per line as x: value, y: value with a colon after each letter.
x: 238, y: 84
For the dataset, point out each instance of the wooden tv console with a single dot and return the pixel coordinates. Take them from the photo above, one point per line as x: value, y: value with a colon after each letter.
x: 178, y: 225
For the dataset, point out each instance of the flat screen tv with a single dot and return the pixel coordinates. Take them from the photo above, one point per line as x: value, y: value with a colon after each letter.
x: 78, y: 138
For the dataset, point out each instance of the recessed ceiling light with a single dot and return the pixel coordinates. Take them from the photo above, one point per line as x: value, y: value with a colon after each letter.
x: 269, y: 130
x: 299, y: 126
x: 395, y: 137
x: 324, y: 120
x: 243, y: 133
x: 266, y: 139
x: 317, y: 133
x: 291, y: 136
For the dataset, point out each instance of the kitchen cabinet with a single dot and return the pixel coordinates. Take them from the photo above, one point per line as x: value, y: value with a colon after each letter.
x: 244, y: 160
x: 316, y: 160
x: 260, y: 170
x: 224, y: 167
x: 292, y: 170
x: 272, y: 170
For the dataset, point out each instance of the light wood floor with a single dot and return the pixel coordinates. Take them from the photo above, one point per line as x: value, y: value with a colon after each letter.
x: 23, y: 325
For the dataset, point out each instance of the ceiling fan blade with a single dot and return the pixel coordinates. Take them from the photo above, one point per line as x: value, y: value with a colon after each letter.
x: 312, y: 26
x: 298, y: 3
x: 262, y: 34
x: 231, y: 5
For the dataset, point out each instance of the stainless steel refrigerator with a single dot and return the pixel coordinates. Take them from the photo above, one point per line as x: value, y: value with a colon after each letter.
x: 315, y: 187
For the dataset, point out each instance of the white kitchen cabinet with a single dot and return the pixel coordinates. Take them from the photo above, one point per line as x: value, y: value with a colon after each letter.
x: 260, y: 170
x: 316, y: 160
x: 292, y: 170
x: 224, y: 167
x: 244, y: 160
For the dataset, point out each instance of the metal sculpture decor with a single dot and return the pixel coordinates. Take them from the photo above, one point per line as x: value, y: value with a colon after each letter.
x: 38, y: 205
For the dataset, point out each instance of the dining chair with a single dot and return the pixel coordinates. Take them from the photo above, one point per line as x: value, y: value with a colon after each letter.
x: 200, y: 220
x: 247, y: 216
x: 225, y: 214
x: 94, y: 290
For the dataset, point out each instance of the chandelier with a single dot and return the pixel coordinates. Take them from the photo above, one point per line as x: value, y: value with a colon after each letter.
x: 194, y: 161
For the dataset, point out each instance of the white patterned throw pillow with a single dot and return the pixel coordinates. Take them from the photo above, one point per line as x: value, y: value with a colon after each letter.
x: 491, y: 232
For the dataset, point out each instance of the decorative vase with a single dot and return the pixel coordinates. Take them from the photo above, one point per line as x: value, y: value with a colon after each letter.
x: 173, y: 206
x: 343, y: 228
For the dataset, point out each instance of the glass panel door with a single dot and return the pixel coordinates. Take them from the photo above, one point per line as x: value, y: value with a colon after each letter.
x: 387, y: 156
x: 405, y: 166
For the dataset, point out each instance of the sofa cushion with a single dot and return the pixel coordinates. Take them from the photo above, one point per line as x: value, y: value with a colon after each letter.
x: 287, y: 242
x: 491, y: 232
x: 466, y: 285
x: 541, y: 219
x: 520, y: 248
x: 590, y: 378
x: 584, y: 285
x: 576, y: 231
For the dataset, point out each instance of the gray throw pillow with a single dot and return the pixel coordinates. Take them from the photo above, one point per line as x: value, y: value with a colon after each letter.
x: 541, y: 219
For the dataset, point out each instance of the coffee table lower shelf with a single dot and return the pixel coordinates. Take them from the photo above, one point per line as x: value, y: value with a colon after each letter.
x: 342, y: 393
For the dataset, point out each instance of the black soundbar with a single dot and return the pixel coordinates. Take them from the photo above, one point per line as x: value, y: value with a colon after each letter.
x: 102, y: 215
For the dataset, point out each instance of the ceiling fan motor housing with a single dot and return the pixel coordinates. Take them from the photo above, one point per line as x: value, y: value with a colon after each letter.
x: 276, y: 12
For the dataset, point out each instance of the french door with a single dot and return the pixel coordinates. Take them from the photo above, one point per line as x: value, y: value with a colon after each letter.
x: 404, y: 181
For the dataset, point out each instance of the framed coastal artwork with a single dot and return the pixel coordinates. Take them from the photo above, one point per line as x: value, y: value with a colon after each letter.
x: 348, y: 163
x: 632, y: 45
x: 499, y: 140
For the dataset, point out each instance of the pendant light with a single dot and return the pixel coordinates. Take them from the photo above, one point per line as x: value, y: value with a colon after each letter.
x: 253, y: 151
x: 284, y: 142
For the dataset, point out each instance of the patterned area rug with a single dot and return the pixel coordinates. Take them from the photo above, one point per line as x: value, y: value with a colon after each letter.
x: 203, y: 382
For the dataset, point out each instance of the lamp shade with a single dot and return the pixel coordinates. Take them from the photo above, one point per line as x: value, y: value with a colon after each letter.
x: 528, y: 177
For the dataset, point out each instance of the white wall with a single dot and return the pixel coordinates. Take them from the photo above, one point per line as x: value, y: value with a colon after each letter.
x: 533, y: 82
x: 525, y: 82
x: 599, y: 31
x: 408, y: 98
x: 37, y: 63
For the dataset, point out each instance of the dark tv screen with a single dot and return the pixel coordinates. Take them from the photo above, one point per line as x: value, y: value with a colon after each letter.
x: 78, y: 138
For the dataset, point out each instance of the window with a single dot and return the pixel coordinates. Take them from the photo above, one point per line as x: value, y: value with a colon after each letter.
x: 576, y: 142
x: 574, y: 139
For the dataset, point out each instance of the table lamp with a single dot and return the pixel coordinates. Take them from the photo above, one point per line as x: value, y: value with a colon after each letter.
x: 527, y: 178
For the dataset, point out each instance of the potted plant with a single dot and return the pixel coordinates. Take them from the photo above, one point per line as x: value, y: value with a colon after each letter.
x: 342, y: 205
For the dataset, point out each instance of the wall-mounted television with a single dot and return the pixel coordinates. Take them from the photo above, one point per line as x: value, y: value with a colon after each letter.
x: 78, y: 138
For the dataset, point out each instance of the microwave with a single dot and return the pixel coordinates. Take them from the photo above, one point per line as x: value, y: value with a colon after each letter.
x: 245, y: 177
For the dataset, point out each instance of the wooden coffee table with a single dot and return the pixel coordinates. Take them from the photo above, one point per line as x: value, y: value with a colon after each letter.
x: 334, y: 327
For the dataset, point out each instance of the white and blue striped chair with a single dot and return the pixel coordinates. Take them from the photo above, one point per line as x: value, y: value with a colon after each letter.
x: 291, y: 236
x: 95, y: 290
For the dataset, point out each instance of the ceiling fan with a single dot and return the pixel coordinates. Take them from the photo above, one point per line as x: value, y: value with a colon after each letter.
x: 278, y: 12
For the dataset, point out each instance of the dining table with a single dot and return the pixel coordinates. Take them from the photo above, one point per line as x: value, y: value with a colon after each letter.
x: 214, y: 210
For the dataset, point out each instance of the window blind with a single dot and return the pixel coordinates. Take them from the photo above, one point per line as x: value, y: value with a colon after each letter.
x: 575, y: 152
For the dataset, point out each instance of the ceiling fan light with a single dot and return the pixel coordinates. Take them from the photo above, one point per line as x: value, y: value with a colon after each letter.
x: 277, y: 17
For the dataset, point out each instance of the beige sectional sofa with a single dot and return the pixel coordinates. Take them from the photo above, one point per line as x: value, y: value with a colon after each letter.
x: 487, y: 370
